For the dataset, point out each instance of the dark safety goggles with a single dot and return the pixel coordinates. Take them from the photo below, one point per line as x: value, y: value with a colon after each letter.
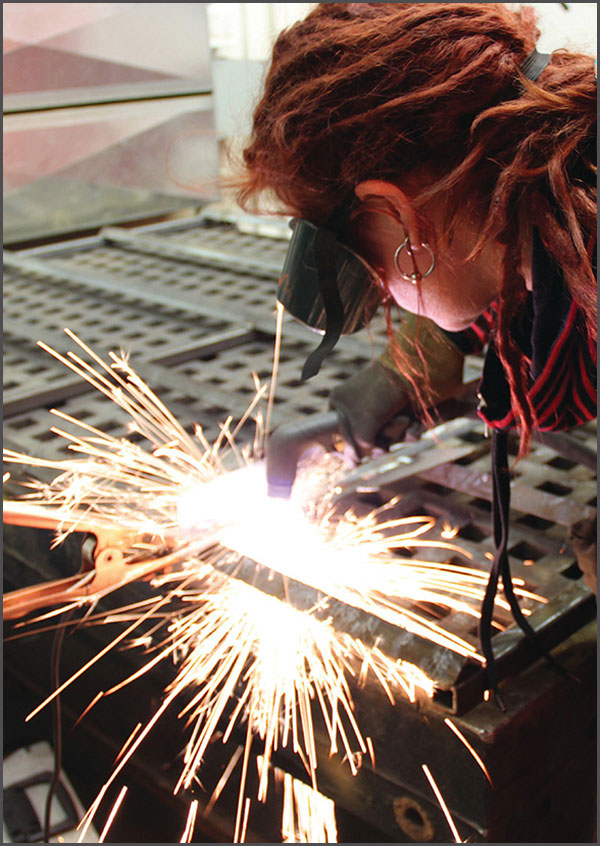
x: 326, y: 286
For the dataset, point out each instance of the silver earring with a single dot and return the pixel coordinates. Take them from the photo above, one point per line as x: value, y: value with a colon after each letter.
x: 416, y: 275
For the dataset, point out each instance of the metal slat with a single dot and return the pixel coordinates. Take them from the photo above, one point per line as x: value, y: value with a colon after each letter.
x: 556, y: 509
x: 152, y: 245
x: 95, y: 281
x: 57, y: 273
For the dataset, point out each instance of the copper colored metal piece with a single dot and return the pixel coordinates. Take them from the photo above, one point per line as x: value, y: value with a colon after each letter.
x: 112, y: 563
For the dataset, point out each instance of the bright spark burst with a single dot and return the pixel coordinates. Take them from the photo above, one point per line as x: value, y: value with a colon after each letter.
x: 180, y: 502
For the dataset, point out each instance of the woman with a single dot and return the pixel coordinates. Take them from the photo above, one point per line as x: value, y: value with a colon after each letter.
x: 459, y: 164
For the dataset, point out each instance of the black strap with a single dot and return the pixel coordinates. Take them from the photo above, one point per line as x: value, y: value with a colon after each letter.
x: 534, y: 64
x: 501, y: 567
x: 325, y: 252
x: 500, y: 511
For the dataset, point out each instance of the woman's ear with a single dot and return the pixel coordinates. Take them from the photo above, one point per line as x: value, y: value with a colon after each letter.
x: 398, y: 199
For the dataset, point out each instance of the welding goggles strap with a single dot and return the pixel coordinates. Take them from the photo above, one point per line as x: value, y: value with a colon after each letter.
x: 325, y: 247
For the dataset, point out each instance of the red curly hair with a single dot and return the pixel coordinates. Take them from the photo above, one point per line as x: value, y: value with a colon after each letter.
x: 362, y: 91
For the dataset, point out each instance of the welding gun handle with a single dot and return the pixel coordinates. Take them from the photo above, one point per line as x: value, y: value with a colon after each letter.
x: 287, y: 443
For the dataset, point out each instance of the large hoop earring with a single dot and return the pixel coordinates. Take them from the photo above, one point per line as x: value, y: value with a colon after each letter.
x: 416, y: 275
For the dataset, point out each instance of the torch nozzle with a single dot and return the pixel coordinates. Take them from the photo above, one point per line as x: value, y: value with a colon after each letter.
x: 287, y: 443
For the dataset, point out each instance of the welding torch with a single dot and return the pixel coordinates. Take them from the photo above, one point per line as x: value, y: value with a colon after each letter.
x: 360, y: 408
x: 289, y: 441
x: 368, y: 413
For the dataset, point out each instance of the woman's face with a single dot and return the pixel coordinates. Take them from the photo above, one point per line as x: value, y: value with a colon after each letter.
x: 458, y: 289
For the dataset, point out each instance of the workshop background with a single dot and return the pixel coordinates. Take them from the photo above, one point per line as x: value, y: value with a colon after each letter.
x: 117, y: 117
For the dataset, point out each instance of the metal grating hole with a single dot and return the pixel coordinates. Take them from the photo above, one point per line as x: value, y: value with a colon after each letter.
x: 404, y: 553
x: 23, y: 423
x: 473, y: 436
x: 554, y: 488
x: 436, y: 489
x: 562, y: 463
x: 572, y: 572
x: 214, y: 411
x: 513, y: 446
x: 535, y: 522
x: 472, y: 532
x: 525, y: 551
x: 467, y: 459
x: 483, y: 504
x: 46, y: 436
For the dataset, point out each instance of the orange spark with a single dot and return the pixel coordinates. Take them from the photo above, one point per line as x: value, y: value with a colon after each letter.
x: 464, y: 740
x: 113, y: 814
x: 448, y: 531
x: 443, y: 806
x: 188, y: 831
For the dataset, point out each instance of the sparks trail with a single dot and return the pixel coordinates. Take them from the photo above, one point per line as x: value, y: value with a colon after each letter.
x: 442, y: 803
x: 243, y: 657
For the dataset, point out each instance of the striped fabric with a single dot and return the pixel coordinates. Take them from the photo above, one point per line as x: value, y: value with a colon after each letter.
x: 551, y: 333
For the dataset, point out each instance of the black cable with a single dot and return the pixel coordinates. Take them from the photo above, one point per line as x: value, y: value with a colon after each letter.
x: 500, y: 509
x: 501, y: 568
x: 56, y: 717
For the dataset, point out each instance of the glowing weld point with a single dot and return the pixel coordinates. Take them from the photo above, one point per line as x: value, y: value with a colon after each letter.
x: 223, y: 498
